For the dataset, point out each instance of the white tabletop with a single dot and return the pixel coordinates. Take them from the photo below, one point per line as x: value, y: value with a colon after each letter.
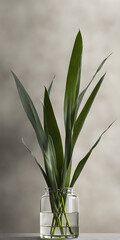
x: 82, y: 236
x: 99, y: 236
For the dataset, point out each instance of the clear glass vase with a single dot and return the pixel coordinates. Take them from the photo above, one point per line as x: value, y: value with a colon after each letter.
x: 59, y: 214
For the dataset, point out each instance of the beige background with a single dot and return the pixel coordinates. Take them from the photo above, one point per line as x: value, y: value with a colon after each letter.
x: 36, y: 39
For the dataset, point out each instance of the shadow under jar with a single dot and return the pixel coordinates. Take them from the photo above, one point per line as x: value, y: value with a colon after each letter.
x: 59, y: 214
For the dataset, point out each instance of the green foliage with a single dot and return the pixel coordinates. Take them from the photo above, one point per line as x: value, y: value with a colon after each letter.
x: 58, y: 163
x: 52, y: 130
x: 83, y: 114
x: 84, y: 160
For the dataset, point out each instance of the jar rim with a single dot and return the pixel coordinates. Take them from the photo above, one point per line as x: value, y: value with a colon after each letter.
x: 67, y: 190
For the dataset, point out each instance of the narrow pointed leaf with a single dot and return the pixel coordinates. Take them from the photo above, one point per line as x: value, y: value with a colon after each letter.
x: 73, y: 77
x: 82, y: 163
x: 50, y: 164
x: 83, y: 114
x: 53, y: 130
x: 49, y: 90
x: 77, y: 105
x: 100, y: 66
x: 44, y: 118
x: 98, y: 69
x: 43, y: 172
x: 50, y: 86
x: 53, y: 159
x: 68, y: 174
x: 31, y: 112
x: 81, y: 95
x: 68, y: 137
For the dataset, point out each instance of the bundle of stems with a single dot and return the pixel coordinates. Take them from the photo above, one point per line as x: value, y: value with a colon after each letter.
x: 59, y: 198
x: 58, y: 161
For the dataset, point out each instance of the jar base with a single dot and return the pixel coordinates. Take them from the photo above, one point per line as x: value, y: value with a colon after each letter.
x: 45, y: 233
x: 58, y: 237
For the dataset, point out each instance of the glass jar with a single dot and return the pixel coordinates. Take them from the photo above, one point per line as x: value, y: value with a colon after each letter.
x: 59, y: 214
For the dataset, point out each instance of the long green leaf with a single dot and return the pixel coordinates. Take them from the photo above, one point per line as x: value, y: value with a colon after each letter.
x: 68, y: 174
x: 71, y: 92
x: 68, y: 137
x: 81, y: 95
x: 73, y: 77
x: 100, y: 66
x: 31, y: 113
x: 38, y: 164
x: 50, y: 164
x: 53, y: 130
x: 82, y: 116
x: 82, y: 163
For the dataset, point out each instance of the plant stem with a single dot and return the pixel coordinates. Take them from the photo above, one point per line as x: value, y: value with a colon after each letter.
x: 56, y: 222
x: 67, y: 221
x: 57, y: 217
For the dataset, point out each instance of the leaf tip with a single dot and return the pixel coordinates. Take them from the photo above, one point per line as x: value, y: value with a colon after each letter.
x: 12, y: 73
x: 104, y: 74
x: 79, y: 36
x: 110, y: 54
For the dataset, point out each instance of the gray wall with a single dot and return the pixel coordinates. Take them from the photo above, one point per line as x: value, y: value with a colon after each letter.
x: 36, y: 39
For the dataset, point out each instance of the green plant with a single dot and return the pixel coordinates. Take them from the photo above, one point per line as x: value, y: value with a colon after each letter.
x: 58, y: 162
